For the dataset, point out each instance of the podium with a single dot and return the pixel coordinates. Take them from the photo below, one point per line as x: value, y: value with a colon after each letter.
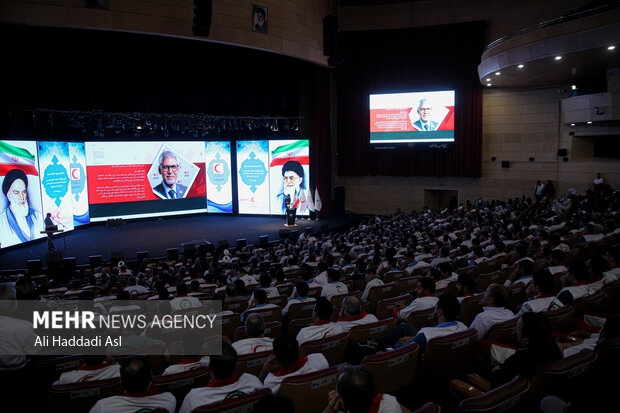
x: 290, y: 217
x: 49, y: 231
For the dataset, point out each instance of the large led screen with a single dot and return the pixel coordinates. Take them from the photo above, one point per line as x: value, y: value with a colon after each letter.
x: 219, y: 177
x: 144, y: 179
x: 267, y: 171
x: 22, y: 213
x: 412, y: 117
x: 56, y: 183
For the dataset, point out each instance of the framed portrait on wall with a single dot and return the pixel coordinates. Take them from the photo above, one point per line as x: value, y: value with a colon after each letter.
x: 259, y: 20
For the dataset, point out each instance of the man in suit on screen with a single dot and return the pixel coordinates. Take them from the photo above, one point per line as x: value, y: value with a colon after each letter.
x: 424, y: 123
x: 169, y: 170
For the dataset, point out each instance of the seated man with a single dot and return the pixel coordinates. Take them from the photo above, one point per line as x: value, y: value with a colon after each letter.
x: 134, y: 289
x: 446, y: 275
x: 334, y: 286
x: 610, y: 331
x: 523, y: 273
x: 534, y: 334
x: 494, y: 311
x: 351, y: 314
x: 182, y: 301
x: 575, y: 284
x: 265, y: 285
x: 138, y: 396
x: 286, y: 363
x: 94, y: 368
x: 542, y: 290
x: 322, y: 326
x: 321, y: 278
x: 371, y: 280
x: 192, y: 347
x: 466, y: 286
x: 425, y: 290
x: 224, y: 384
x: 355, y: 392
x: 260, y: 302
x: 302, y: 289
x: 256, y: 341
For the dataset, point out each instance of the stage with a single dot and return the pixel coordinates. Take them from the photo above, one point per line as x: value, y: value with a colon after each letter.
x: 157, y: 235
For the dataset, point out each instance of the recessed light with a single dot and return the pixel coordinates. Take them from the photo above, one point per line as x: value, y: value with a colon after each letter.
x: 520, y: 66
x: 558, y: 58
x: 497, y: 73
x: 589, y: 122
x: 488, y: 84
x: 139, y: 127
x: 611, y: 47
x: 572, y: 124
x: 573, y: 87
x: 488, y: 79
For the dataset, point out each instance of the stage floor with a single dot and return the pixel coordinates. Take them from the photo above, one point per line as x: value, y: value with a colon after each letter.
x: 159, y: 234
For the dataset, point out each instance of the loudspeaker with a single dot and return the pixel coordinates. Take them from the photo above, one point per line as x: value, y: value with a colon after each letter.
x: 339, y: 201
x: 54, y: 259
x: 115, y: 257
x: 141, y: 256
x: 95, y: 261
x: 34, y: 266
x: 284, y: 232
x: 172, y: 254
x: 189, y: 250
x: 263, y: 241
x: 240, y: 244
x: 222, y: 245
x: 294, y: 235
x: 562, y: 152
x: 203, y: 11
x: 505, y: 164
x: 70, y: 265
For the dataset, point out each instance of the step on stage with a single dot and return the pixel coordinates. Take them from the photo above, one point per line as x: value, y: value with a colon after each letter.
x: 158, y: 235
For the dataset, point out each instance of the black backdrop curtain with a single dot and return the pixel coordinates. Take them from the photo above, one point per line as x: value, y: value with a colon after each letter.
x: 410, y: 60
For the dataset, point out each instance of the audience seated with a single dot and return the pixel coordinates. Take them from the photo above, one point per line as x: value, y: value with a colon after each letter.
x: 94, y: 368
x: 322, y: 326
x: 425, y: 290
x: 355, y: 393
x: 494, y: 311
x: 139, y: 395
x: 224, y: 384
x: 183, y: 301
x: 334, y: 286
x: 285, y: 362
x: 351, y: 314
x: 192, y: 348
x: 542, y: 290
x: 372, y: 279
x: 300, y: 293
x: 256, y: 341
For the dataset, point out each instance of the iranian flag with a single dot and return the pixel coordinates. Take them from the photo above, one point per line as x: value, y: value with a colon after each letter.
x: 13, y: 157
x: 297, y: 151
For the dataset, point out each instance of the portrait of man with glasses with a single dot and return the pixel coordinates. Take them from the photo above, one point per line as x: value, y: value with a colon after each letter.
x: 424, y: 123
x: 169, y: 168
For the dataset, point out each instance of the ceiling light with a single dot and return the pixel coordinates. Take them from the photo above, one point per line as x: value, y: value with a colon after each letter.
x: 573, y: 87
x: 572, y: 124
x: 488, y: 84
x: 520, y: 66
x: 497, y: 73
x: 611, y: 47
x: 558, y: 58
x: 488, y: 79
x: 589, y: 122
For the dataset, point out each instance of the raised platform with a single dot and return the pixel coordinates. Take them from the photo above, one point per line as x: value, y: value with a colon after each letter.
x: 157, y: 235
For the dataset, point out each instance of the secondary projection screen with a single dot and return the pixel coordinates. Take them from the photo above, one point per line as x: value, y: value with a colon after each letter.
x: 412, y: 117
x: 145, y: 179
x: 269, y: 170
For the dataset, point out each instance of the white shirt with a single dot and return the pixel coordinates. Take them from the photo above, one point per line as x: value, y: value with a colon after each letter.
x: 538, y: 305
x: 488, y: 318
x: 17, y: 336
x: 315, y: 362
x: 183, y: 303
x: 389, y: 404
x: 444, y: 282
x: 184, y: 366
x: 253, y: 345
x: 128, y: 404
x: 415, y: 265
x: 556, y: 269
x: 297, y: 301
x: 213, y: 393
x: 333, y: 288
x: 588, y: 343
x: 318, y: 332
x: 84, y: 373
x: 349, y: 324
x: 321, y: 279
x: 443, y: 330
x: 374, y: 282
x: 422, y: 303
x: 137, y: 289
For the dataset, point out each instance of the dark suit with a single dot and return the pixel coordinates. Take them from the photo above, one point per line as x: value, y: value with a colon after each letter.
x: 163, y: 191
x: 419, y: 126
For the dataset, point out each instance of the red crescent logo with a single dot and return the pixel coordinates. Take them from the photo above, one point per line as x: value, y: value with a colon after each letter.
x: 217, y: 168
x: 75, y: 173
x: 252, y: 200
